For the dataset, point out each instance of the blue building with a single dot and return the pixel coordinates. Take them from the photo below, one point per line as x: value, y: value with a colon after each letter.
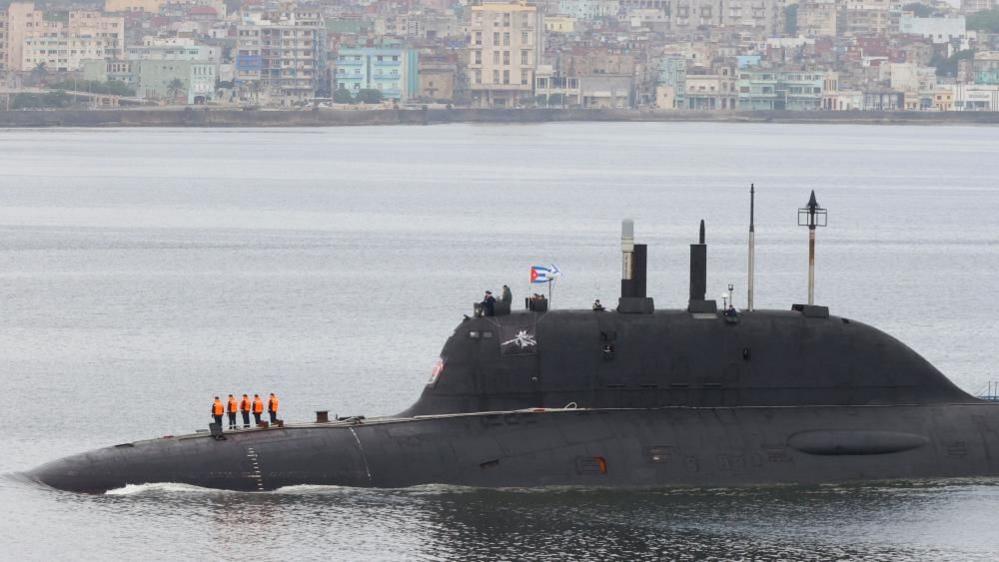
x: 393, y: 72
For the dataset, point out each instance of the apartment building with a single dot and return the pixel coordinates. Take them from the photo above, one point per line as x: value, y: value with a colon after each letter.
x: 3, y: 43
x: 173, y: 48
x: 768, y: 89
x: 282, y: 54
x: 62, y: 45
x: 869, y: 17
x: 504, y: 49
x: 393, y: 72
x: 817, y: 18
x: 764, y: 17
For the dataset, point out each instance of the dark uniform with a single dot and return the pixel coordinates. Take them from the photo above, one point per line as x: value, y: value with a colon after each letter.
x: 272, y: 407
x: 244, y: 408
x: 258, y: 408
x: 217, y: 410
x: 489, y: 305
x: 231, y: 409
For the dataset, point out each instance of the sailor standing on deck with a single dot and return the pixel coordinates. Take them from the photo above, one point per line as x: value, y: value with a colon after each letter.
x: 244, y: 408
x: 231, y: 408
x: 217, y: 410
x: 258, y: 408
x: 272, y: 408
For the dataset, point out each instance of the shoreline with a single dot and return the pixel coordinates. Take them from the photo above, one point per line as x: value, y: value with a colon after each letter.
x: 222, y: 118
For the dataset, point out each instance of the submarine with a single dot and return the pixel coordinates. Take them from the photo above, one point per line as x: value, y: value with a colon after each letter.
x: 632, y: 396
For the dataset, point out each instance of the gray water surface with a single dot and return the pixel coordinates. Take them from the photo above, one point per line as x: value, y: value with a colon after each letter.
x: 144, y: 271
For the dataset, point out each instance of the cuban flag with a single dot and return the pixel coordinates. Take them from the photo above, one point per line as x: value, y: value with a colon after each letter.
x: 542, y: 274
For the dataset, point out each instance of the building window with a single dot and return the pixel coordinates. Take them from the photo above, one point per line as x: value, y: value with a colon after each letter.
x: 506, y: 39
x: 525, y: 38
x: 478, y: 37
x: 506, y: 58
x: 478, y: 57
x: 496, y: 56
x: 506, y: 76
x: 496, y: 40
x: 524, y: 57
x: 496, y: 77
x: 478, y: 76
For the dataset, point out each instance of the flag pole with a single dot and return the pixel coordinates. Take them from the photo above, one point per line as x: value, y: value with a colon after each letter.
x: 550, y: 280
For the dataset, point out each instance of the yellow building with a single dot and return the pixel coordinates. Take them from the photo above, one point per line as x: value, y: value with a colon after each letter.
x: 560, y: 24
x: 504, y: 48
x: 148, y: 6
x: 943, y: 100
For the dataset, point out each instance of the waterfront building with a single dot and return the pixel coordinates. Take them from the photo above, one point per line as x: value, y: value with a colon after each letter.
x: 504, y: 49
x: 985, y: 68
x: 975, y: 97
x: 883, y: 99
x: 709, y: 90
x: 176, y: 81
x: 672, y: 84
x: 437, y: 80
x: 767, y: 89
x: 552, y: 89
x: 281, y: 54
x: 392, y: 71
x: 606, y: 92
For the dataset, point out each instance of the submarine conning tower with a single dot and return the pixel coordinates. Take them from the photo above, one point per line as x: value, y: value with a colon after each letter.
x: 639, y: 357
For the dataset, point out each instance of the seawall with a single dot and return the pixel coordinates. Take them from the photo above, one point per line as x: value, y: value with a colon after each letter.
x: 334, y: 118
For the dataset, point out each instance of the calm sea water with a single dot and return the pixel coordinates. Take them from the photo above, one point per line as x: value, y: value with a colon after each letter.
x: 144, y: 271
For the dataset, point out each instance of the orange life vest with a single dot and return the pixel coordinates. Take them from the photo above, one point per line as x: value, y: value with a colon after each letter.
x: 244, y: 406
x: 272, y: 404
x: 258, y: 405
x: 217, y: 408
x: 233, y: 405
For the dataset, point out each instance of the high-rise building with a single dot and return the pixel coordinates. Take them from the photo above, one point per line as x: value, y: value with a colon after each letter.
x: 63, y: 45
x: 504, y: 49
x: 3, y: 43
x: 282, y: 54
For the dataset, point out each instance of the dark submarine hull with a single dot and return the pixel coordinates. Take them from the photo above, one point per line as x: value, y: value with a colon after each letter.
x: 692, y: 397
x: 673, y: 446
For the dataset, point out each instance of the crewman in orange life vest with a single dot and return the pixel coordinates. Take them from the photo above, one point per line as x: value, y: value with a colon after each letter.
x: 272, y: 408
x: 217, y: 410
x: 258, y: 408
x: 231, y: 408
x: 244, y: 408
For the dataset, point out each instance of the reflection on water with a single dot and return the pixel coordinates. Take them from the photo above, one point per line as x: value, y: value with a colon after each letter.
x: 943, y: 519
